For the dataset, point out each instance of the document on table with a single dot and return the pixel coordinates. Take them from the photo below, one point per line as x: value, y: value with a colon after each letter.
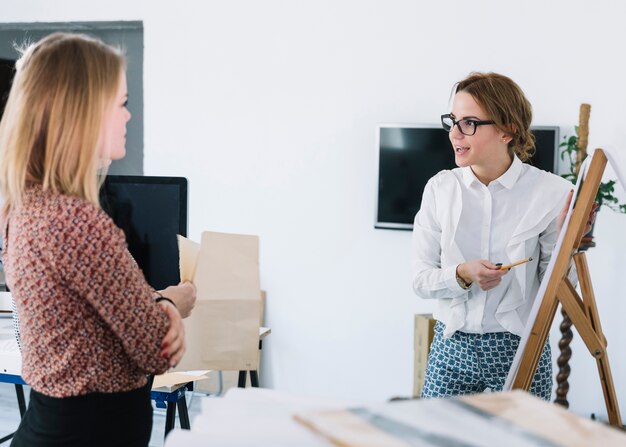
x: 513, y: 419
x: 169, y: 382
x: 5, y: 303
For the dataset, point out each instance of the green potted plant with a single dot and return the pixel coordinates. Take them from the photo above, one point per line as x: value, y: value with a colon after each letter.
x: 605, y: 196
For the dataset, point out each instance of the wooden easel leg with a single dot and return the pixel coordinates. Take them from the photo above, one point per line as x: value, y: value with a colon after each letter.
x: 535, y: 344
x: 594, y: 341
x: 608, y: 388
x: 604, y: 368
x: 573, y: 305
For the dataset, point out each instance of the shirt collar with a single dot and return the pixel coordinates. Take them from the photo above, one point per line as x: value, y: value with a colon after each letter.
x: 511, y: 175
x: 468, y: 176
x: 507, y: 179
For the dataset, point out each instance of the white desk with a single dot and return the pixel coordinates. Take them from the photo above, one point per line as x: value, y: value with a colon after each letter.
x: 251, y: 416
x: 266, y: 418
x: 10, y: 356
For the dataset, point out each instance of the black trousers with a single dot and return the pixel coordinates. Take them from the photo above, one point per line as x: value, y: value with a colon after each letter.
x: 97, y: 419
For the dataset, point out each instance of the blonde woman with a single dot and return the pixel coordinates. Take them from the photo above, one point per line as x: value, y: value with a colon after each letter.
x: 91, y: 327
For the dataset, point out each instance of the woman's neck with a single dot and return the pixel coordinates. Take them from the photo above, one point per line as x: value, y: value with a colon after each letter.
x: 489, y: 172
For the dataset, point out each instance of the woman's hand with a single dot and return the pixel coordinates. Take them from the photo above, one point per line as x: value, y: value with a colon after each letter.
x: 592, y: 218
x: 484, y: 273
x: 561, y: 219
x: 183, y: 295
x: 173, y: 344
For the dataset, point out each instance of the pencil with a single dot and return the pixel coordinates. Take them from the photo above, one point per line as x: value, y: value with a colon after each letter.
x: 505, y: 267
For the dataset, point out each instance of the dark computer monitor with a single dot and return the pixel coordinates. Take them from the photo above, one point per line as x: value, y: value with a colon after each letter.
x: 151, y: 211
x: 409, y: 155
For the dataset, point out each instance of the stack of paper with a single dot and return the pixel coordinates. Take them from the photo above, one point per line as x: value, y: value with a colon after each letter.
x: 512, y: 419
x: 169, y: 382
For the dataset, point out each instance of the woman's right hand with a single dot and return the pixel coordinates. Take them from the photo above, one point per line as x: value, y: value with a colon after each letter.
x: 173, y: 344
x: 183, y: 295
x: 484, y: 273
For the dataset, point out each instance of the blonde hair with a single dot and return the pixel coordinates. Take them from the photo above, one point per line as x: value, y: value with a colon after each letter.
x: 53, y: 117
x: 505, y: 103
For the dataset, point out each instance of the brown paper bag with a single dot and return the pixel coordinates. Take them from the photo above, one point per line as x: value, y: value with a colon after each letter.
x: 222, y: 331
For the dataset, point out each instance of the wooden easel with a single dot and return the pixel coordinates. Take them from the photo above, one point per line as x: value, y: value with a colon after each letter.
x: 582, y: 311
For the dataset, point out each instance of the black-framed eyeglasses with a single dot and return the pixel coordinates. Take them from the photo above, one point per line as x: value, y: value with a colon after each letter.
x: 467, y: 126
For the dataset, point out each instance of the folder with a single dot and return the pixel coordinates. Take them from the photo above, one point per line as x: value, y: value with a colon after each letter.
x: 222, y: 332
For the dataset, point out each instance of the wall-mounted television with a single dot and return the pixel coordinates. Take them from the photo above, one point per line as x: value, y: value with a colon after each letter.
x: 409, y: 155
x: 151, y: 211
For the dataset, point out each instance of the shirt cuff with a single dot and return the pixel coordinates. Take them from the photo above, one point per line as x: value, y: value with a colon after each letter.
x: 449, y: 277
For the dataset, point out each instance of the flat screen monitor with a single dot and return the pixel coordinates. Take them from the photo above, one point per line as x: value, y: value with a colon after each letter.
x: 151, y: 211
x: 409, y: 155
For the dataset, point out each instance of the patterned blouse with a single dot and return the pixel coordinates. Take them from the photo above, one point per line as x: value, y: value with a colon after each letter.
x: 88, y: 319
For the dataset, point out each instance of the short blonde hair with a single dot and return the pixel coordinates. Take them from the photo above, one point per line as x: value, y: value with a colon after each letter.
x: 53, y: 117
x: 505, y: 103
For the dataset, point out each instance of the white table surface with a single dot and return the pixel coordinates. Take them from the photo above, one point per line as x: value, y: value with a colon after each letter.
x: 261, y: 417
x: 10, y: 356
x: 253, y: 416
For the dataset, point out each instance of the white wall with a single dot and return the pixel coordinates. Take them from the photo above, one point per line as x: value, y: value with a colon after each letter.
x: 269, y: 108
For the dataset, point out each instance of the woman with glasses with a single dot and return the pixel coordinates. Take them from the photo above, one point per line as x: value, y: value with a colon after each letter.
x: 492, y: 210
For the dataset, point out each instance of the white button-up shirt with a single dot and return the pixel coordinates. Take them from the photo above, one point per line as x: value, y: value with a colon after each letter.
x: 511, y: 219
